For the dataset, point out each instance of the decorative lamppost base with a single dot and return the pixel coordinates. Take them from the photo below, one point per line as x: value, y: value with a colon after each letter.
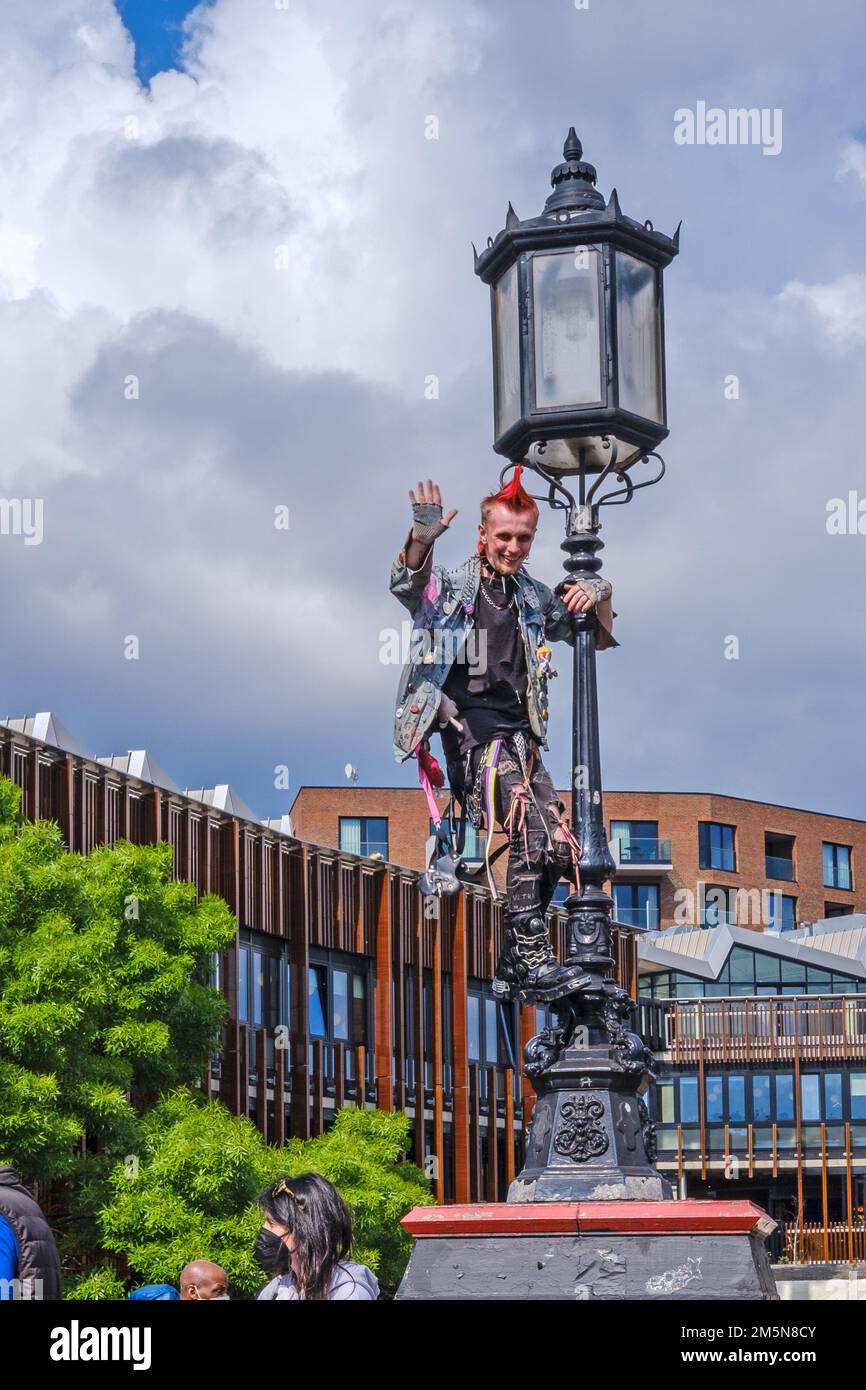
x: 583, y: 1251
x: 591, y: 1139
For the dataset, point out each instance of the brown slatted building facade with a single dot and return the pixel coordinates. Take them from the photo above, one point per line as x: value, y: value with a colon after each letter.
x: 343, y: 987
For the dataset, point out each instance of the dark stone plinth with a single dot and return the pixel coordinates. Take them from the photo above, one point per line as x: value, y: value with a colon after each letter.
x: 584, y: 1251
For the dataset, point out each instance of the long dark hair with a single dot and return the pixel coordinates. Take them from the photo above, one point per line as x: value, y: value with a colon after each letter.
x: 313, y: 1211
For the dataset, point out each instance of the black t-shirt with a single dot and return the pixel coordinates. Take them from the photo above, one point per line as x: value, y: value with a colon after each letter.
x: 488, y: 682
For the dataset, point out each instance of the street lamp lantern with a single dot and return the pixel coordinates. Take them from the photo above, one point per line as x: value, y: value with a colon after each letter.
x: 578, y: 327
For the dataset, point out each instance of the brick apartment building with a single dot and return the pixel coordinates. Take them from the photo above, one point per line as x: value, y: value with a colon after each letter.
x: 683, y: 857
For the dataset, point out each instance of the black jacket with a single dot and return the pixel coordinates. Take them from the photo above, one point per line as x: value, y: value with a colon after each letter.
x: 37, y: 1250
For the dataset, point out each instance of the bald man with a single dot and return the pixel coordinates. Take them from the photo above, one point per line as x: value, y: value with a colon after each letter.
x: 203, y: 1280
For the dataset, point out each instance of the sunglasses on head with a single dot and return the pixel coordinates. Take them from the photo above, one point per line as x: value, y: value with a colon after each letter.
x: 282, y: 1189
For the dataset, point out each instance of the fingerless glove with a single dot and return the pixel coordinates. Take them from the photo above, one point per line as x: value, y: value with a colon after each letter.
x: 427, y: 522
x: 596, y: 589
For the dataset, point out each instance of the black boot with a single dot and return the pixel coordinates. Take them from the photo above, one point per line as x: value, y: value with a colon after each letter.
x: 527, y: 967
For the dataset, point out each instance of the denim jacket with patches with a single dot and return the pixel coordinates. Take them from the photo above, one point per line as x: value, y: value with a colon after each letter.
x: 442, y: 604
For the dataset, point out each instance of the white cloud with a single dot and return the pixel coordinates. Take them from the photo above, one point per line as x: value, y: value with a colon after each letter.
x: 139, y: 237
x: 853, y: 161
x: 838, y: 307
x: 289, y: 138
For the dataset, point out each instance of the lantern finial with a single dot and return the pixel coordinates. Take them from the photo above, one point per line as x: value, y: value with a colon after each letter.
x: 572, y: 149
x: 573, y: 181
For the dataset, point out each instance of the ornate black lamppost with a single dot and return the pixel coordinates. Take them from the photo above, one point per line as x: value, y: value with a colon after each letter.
x: 579, y: 390
x: 578, y: 346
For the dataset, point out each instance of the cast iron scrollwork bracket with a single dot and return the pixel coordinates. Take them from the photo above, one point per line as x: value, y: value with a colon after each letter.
x: 620, y: 496
x: 559, y: 497
x: 631, y: 1051
x: 546, y: 1047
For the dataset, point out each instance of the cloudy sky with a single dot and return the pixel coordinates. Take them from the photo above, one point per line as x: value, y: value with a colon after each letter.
x: 230, y: 257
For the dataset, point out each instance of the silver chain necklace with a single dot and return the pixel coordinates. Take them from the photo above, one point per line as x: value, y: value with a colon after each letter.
x: 500, y: 607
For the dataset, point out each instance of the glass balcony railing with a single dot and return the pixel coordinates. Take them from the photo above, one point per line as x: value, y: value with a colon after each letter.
x: 780, y: 868
x: 642, y: 851
x: 646, y: 917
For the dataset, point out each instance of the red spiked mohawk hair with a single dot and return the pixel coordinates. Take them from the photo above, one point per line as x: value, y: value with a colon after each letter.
x: 513, y: 496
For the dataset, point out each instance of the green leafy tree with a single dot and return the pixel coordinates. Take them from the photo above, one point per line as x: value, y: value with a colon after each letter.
x: 101, y: 1005
x: 192, y: 1192
x: 103, y: 1284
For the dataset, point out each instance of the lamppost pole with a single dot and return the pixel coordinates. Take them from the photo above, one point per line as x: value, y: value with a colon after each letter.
x: 596, y: 862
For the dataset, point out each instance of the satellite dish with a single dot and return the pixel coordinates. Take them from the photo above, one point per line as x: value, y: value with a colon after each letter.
x: 351, y: 772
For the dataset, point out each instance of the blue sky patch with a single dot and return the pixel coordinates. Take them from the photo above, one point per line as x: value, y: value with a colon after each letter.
x: 156, y: 29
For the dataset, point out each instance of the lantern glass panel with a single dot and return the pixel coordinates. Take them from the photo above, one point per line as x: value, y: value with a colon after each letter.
x: 638, y: 318
x: 506, y: 323
x: 567, y: 329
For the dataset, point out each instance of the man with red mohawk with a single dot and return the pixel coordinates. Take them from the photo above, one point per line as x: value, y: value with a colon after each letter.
x: 478, y: 670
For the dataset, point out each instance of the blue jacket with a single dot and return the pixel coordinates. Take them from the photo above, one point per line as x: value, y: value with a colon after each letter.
x: 8, y: 1257
x: 442, y: 604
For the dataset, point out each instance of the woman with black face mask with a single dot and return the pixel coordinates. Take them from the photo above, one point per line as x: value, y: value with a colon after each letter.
x: 305, y: 1243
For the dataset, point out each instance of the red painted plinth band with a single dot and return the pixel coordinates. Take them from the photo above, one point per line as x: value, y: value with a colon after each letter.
x: 580, y: 1218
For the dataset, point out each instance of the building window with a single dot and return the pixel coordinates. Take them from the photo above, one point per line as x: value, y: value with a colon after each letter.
x: 340, y: 1015
x: 688, y: 1093
x: 490, y: 1027
x: 779, y: 856
x: 810, y: 1098
x: 491, y: 1034
x: 663, y: 1100
x: 837, y: 866
x: 359, y: 1006
x: 338, y: 1006
x: 338, y: 1002
x: 832, y: 1096
x: 716, y: 846
x: 725, y: 1099
x: 655, y: 986
x: 260, y: 1002
x: 784, y: 1096
x: 747, y: 971
x: 318, y: 1000
x: 364, y: 835
x: 715, y: 1100
x: 561, y: 892
x: 639, y: 842
x: 737, y: 1100
x: 473, y: 842
x: 718, y: 906
x: 637, y: 905
x: 761, y: 1099
x: 858, y: 1095
x: 473, y: 1028
x: 688, y: 1100
x: 258, y: 989
x: 838, y: 909
x: 243, y: 984
x: 781, y: 912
